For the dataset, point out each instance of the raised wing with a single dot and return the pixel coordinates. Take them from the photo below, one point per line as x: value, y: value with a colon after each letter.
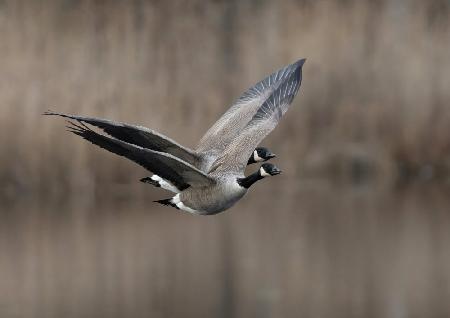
x: 180, y: 173
x: 241, y: 112
x: 234, y: 157
x: 137, y: 135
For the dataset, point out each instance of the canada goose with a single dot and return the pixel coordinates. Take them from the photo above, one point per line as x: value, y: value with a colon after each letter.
x: 211, y: 144
x: 224, y: 184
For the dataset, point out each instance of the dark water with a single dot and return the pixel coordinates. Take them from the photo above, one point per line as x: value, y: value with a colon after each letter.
x: 315, y: 250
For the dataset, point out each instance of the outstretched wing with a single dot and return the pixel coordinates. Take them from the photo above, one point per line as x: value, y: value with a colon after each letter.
x: 234, y: 157
x: 241, y: 112
x: 180, y: 173
x: 137, y: 135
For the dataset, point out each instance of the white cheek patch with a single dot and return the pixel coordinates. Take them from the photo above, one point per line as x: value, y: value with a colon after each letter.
x: 257, y: 157
x: 263, y: 172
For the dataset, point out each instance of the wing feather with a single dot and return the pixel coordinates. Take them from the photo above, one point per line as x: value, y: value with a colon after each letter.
x: 266, y: 118
x: 218, y: 137
x: 137, y: 135
x: 169, y: 167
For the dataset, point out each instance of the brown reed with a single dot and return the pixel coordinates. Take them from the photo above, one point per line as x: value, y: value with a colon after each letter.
x: 375, y: 95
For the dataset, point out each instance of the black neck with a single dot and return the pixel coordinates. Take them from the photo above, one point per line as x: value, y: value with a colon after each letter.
x: 251, y: 160
x: 248, y: 181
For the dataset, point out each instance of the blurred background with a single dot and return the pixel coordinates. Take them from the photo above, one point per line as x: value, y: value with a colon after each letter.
x: 357, y: 226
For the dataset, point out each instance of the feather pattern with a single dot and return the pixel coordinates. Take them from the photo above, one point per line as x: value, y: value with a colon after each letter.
x: 137, y: 135
x: 218, y: 137
x: 265, y: 119
x: 180, y: 173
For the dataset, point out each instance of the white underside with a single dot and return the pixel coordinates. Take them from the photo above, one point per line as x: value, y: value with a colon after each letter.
x: 166, y: 185
x: 176, y: 200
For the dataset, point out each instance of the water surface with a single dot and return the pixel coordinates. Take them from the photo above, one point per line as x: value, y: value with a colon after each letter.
x: 314, y: 250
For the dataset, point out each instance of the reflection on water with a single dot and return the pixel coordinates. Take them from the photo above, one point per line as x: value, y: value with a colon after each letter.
x: 311, y: 251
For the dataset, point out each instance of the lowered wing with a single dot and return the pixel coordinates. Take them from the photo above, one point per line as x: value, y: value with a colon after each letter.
x: 180, y: 173
x: 234, y: 157
x: 218, y: 137
x: 137, y: 135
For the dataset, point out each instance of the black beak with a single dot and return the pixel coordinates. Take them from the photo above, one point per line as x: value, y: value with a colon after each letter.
x: 271, y: 155
x: 275, y: 172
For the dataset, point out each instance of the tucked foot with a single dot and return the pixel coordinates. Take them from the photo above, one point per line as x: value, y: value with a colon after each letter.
x: 168, y: 202
x: 177, y: 204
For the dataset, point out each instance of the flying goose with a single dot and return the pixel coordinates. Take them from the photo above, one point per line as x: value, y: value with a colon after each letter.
x: 224, y: 184
x: 211, y: 144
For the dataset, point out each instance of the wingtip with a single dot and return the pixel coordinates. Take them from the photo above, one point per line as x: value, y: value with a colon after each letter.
x: 301, y: 62
x: 77, y: 128
x: 297, y: 69
x: 53, y: 113
x: 48, y: 112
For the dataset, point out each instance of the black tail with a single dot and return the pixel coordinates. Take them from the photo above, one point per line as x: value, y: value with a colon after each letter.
x: 151, y: 181
x: 167, y: 202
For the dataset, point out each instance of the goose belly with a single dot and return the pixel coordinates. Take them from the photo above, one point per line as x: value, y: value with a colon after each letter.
x: 210, y: 200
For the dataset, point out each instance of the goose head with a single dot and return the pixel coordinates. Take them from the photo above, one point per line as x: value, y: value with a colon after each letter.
x: 260, y: 154
x: 268, y: 169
